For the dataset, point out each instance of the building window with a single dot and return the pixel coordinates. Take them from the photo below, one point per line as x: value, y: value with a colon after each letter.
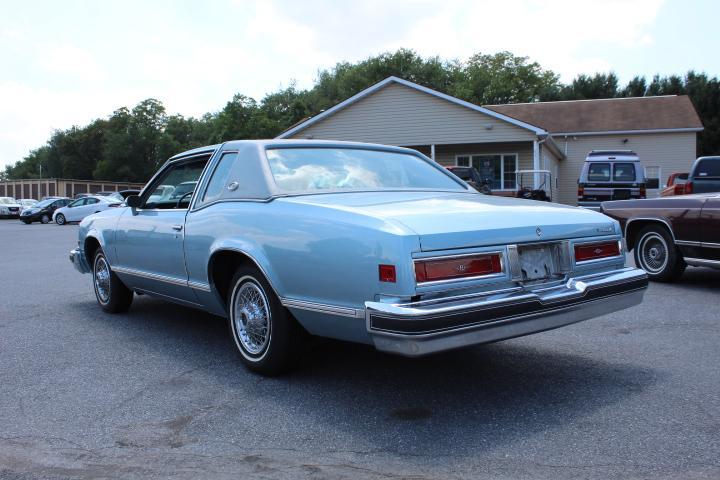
x: 498, y: 168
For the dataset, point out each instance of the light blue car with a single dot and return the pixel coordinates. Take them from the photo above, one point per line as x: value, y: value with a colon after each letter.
x: 365, y: 243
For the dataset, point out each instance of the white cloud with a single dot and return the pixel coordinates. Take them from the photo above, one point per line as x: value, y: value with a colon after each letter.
x: 75, y: 69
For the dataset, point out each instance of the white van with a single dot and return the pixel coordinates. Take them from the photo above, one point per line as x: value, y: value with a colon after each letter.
x: 610, y: 175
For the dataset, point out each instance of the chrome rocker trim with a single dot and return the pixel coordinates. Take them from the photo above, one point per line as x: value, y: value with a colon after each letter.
x: 79, y: 261
x: 702, y: 262
x: 421, y: 328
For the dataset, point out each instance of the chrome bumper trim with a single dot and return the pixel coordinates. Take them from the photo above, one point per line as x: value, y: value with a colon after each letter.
x: 78, y: 260
x: 421, y: 328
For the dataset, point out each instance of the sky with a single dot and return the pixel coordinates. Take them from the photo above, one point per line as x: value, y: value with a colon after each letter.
x: 65, y: 63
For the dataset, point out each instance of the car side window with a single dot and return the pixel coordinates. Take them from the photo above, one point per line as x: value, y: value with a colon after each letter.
x: 175, y: 186
x: 77, y: 203
x: 90, y: 201
x: 220, y: 177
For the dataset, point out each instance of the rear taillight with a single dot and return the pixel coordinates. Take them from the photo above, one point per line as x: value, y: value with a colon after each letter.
x: 387, y: 273
x: 679, y: 189
x: 452, y: 268
x: 594, y: 251
x: 688, y: 188
x: 581, y: 191
x: 643, y: 192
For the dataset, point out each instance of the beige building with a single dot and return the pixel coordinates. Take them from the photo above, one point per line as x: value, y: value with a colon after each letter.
x: 500, y: 139
x: 61, y: 187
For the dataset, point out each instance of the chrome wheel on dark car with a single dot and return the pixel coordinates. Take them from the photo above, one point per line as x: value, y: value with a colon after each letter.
x: 653, y: 252
x: 656, y: 253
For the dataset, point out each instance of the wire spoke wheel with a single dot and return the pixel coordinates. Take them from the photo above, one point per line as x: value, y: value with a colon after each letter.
x: 102, y: 279
x: 251, y: 317
x: 653, y: 253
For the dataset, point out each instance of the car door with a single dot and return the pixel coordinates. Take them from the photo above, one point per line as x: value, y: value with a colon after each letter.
x: 710, y: 226
x: 73, y: 212
x: 89, y: 207
x: 149, y: 239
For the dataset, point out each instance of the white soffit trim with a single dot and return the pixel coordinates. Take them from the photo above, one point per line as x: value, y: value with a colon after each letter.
x: 629, y: 132
x: 415, y: 86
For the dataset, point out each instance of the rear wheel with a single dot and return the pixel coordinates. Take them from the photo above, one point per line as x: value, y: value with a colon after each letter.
x: 267, y: 337
x: 112, y: 295
x: 656, y: 253
x: 45, y: 219
x: 60, y: 219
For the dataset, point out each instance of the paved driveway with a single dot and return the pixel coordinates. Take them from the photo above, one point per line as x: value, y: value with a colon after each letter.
x: 159, y: 391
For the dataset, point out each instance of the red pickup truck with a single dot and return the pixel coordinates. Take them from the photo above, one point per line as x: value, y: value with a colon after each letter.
x: 675, y: 185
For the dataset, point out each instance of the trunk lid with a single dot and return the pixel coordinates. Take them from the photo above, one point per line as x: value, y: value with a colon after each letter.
x: 445, y: 221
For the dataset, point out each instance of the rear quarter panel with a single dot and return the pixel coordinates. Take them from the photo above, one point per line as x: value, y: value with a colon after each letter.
x: 679, y: 213
x: 308, y: 253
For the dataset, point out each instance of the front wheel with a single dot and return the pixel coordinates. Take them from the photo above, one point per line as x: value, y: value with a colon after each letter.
x: 60, y: 219
x: 112, y: 295
x: 656, y: 253
x: 267, y: 337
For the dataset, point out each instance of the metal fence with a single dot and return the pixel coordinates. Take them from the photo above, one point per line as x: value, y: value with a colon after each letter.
x: 61, y: 187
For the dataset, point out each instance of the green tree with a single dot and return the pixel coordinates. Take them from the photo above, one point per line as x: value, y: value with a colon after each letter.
x: 503, y: 78
x: 584, y: 87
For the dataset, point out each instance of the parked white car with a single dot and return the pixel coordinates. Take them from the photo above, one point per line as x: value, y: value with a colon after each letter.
x: 82, y: 207
x: 9, y: 207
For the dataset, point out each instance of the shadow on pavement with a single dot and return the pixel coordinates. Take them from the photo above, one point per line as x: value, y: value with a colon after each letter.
x: 458, y: 403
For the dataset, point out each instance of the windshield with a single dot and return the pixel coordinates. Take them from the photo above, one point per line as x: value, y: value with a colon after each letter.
x: 45, y: 203
x: 6, y: 201
x: 307, y: 169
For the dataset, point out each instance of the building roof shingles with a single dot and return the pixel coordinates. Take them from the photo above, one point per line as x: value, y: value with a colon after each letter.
x: 620, y: 114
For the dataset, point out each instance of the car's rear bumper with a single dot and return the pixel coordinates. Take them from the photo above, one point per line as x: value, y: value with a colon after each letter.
x: 421, y: 328
x: 77, y: 258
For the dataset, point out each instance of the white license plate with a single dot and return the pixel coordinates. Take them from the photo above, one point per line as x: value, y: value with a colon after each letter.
x: 536, y: 262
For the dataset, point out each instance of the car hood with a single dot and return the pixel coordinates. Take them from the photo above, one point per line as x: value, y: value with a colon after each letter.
x: 460, y: 220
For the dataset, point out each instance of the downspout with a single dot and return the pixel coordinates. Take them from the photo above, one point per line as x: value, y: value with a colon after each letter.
x: 536, y: 160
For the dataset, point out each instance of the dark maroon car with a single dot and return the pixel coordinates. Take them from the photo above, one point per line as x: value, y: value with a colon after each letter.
x: 669, y: 233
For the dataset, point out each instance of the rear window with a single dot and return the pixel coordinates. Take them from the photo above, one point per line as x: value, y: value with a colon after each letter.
x: 624, y: 172
x: 708, y: 168
x: 308, y: 169
x: 599, y: 172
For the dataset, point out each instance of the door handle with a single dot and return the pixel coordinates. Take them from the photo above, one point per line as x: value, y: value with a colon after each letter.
x: 177, y: 227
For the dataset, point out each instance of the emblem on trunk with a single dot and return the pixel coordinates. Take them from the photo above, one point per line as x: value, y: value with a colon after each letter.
x: 538, y: 231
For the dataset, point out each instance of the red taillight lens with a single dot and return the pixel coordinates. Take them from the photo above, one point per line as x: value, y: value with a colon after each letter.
x: 457, y: 267
x: 387, y: 273
x: 593, y: 251
x: 581, y: 191
x: 688, y: 188
x: 679, y: 189
x: 643, y: 192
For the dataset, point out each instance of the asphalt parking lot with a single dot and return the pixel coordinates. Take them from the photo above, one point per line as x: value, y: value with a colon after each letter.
x: 160, y: 392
